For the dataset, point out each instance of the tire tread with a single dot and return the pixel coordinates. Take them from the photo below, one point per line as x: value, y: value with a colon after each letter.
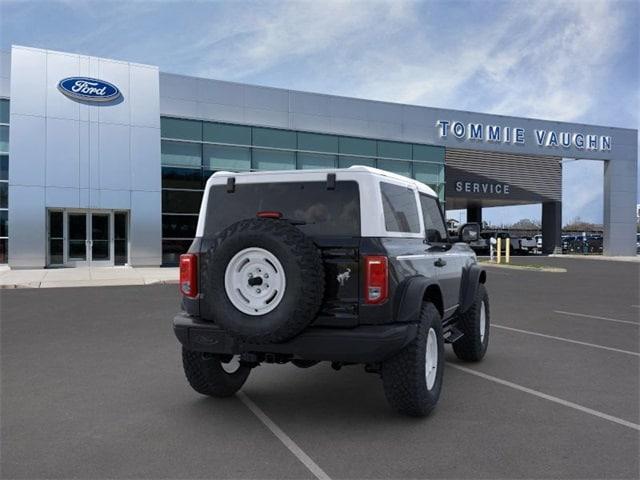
x: 207, y: 377
x: 403, y: 373
x: 469, y: 347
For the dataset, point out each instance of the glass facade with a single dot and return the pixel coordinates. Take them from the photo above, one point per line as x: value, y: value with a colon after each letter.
x: 192, y: 150
x: 4, y: 180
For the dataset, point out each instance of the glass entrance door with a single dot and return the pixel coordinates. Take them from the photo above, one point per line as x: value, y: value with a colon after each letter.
x: 77, y: 238
x: 100, y: 241
x: 87, y: 238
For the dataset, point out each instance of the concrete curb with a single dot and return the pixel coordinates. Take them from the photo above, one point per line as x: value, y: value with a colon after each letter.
x: 525, y: 267
x: 635, y: 259
x: 88, y: 283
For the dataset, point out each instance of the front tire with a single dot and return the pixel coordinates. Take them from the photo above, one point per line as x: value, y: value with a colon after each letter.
x: 209, y: 375
x: 475, y: 325
x: 412, y: 379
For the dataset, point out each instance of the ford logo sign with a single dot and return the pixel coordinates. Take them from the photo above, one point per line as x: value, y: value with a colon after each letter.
x: 89, y: 89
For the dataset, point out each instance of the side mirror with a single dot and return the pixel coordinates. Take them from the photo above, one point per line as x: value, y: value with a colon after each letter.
x: 470, y: 232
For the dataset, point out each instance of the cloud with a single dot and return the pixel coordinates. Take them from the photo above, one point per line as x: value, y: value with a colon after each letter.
x: 537, y: 59
x: 571, y: 60
x: 303, y: 33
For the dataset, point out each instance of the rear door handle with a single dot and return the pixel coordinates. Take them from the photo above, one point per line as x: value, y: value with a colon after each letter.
x: 440, y: 263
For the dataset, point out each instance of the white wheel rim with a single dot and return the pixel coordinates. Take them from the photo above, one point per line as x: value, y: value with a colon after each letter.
x: 232, y: 365
x: 431, y: 359
x: 483, y: 321
x: 255, y: 281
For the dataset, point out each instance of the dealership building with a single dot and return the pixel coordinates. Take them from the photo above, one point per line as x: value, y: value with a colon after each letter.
x: 103, y: 162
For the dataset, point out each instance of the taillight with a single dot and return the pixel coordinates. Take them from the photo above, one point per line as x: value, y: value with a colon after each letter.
x: 269, y: 214
x: 376, y: 278
x: 189, y: 275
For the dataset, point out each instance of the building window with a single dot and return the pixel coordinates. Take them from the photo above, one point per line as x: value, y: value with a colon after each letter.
x: 224, y: 133
x: 179, y: 226
x: 4, y: 138
x: 358, y: 146
x: 274, y: 138
x: 4, y: 167
x: 181, y: 129
x: 317, y: 143
x: 184, y: 178
x: 394, y: 150
x: 4, y: 194
x: 428, y: 153
x: 221, y: 157
x: 273, y: 159
x: 181, y: 153
x: 181, y: 201
x: 316, y: 160
x: 4, y: 111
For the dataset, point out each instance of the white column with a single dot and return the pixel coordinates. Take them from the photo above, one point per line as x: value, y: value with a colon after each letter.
x: 620, y: 199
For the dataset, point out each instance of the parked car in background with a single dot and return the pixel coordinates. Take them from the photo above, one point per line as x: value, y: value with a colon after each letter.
x: 528, y: 245
x: 582, y: 244
x: 538, y: 248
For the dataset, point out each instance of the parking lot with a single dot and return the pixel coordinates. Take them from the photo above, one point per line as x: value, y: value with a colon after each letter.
x: 92, y: 387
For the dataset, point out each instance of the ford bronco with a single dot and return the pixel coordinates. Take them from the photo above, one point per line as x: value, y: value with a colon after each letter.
x: 351, y: 266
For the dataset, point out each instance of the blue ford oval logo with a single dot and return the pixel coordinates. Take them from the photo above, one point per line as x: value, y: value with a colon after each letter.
x: 90, y: 89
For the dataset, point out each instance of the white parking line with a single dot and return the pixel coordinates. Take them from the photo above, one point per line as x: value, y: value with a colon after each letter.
x: 284, y: 438
x: 573, y: 314
x: 562, y: 339
x: 551, y: 398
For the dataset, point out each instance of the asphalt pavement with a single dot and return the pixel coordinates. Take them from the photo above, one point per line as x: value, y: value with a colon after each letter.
x: 92, y: 387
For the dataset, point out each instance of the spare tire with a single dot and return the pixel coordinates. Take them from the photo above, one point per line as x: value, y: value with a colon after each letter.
x: 265, y: 280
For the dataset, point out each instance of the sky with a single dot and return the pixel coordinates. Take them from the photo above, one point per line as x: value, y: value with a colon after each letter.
x: 558, y: 60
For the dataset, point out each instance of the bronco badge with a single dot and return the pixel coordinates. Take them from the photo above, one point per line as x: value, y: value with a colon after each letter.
x: 343, y: 277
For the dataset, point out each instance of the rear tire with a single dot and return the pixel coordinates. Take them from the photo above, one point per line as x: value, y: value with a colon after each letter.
x: 411, y: 380
x: 475, y: 341
x: 208, y: 375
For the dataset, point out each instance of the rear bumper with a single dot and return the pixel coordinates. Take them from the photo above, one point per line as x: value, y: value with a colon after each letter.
x: 363, y: 344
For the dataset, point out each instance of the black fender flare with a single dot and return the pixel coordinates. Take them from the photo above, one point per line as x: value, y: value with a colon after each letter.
x: 472, y: 276
x: 411, y: 294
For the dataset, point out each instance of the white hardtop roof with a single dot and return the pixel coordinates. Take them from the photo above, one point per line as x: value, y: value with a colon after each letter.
x: 291, y: 175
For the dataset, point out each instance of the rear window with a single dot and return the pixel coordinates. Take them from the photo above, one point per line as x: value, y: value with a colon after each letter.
x: 400, y: 208
x: 321, y: 212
